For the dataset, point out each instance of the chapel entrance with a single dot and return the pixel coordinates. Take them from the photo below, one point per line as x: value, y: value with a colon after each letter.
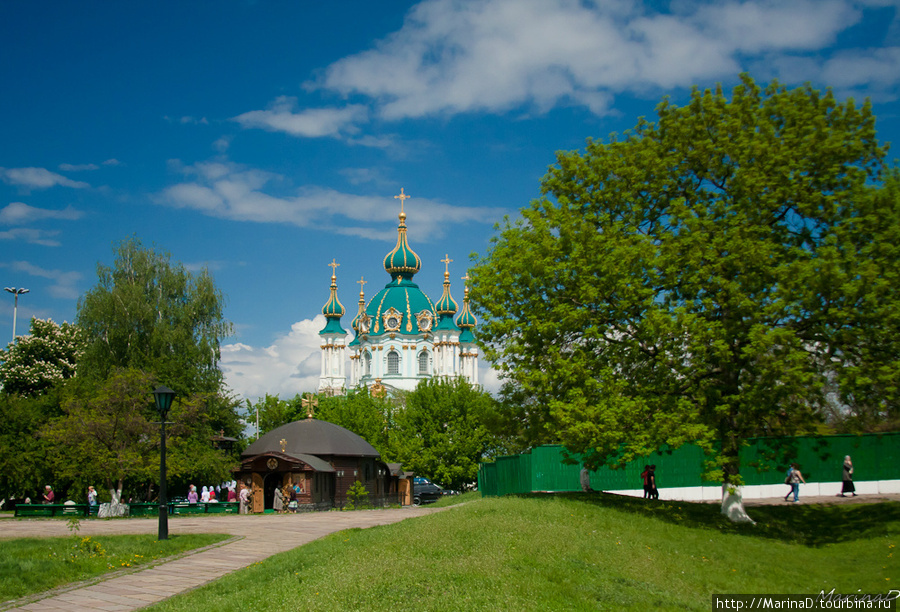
x: 273, y: 481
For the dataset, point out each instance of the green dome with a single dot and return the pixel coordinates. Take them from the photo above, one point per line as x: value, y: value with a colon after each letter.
x: 402, y: 260
x: 400, y: 308
x: 466, y: 320
x: 333, y: 309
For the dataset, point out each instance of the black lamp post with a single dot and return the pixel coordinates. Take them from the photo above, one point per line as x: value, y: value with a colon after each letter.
x: 164, y: 397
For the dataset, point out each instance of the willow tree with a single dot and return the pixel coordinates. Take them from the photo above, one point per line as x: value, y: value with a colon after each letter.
x: 703, y: 278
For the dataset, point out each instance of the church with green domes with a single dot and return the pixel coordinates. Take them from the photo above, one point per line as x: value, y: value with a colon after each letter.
x: 400, y: 337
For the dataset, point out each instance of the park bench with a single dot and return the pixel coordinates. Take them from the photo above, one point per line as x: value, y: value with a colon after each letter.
x: 26, y: 510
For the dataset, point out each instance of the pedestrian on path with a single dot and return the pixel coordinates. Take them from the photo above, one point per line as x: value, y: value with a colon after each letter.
x: 796, y: 478
x: 654, y: 491
x: 847, y: 478
x: 645, y: 478
x: 787, y: 481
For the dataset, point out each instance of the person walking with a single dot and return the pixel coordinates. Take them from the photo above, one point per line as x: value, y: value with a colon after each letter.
x: 796, y: 479
x: 847, y: 478
x: 787, y: 481
x: 92, y: 500
x: 654, y: 491
x: 645, y: 478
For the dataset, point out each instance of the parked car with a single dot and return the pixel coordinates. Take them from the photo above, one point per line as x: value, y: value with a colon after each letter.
x: 425, y: 491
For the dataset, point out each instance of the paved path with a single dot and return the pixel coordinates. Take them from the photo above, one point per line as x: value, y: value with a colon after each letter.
x: 260, y: 537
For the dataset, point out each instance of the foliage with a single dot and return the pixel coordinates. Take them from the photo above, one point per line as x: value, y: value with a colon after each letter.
x: 42, y: 359
x: 702, y: 278
x: 149, y: 313
x: 107, y: 433
x: 110, y: 434
x: 597, y: 552
x: 24, y: 466
x: 357, y: 496
x: 34, y: 565
x: 371, y: 418
x: 443, y: 430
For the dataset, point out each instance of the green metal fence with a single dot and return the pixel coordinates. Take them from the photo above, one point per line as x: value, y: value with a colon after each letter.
x: 763, y: 461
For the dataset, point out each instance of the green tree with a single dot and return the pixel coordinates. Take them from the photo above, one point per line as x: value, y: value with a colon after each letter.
x: 443, y: 430
x: 42, y: 359
x: 24, y: 464
x: 106, y: 433
x: 149, y: 313
x: 702, y: 278
x: 109, y: 434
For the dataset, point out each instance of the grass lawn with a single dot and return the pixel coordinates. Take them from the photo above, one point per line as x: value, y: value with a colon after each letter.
x: 33, y: 565
x: 571, y: 552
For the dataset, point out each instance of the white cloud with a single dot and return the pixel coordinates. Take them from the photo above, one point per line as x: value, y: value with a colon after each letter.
x: 112, y: 162
x: 229, y: 191
x: 496, y: 55
x: 290, y: 365
x: 283, y: 116
x: 37, y: 178
x: 19, y: 213
x: 64, y: 286
x: 32, y: 236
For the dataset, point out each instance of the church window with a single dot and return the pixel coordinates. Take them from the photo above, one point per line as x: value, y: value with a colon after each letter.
x: 393, y: 362
x: 423, y: 362
x: 368, y: 360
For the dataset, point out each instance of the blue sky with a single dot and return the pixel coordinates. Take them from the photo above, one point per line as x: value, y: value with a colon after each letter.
x: 264, y: 139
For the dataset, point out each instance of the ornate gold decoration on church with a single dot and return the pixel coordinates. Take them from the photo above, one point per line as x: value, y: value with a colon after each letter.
x: 424, y: 320
x: 272, y: 463
x: 283, y: 444
x: 392, y: 319
x: 377, y: 389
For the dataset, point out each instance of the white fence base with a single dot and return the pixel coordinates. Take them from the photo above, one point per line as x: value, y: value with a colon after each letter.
x: 812, y: 489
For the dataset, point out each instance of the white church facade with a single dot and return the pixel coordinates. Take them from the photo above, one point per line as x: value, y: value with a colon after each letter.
x: 400, y: 337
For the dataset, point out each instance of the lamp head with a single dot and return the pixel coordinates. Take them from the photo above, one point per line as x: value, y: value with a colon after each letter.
x: 164, y: 397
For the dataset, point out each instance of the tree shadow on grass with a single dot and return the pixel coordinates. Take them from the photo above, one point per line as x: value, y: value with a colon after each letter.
x: 810, y: 525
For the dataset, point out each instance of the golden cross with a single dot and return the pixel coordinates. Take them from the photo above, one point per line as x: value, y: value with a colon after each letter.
x: 309, y: 403
x: 333, y: 265
x: 402, y: 197
x: 447, y: 261
x: 466, y: 277
x: 362, y: 284
x: 283, y: 444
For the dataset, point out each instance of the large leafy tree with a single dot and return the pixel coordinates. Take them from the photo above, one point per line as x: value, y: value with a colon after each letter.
x: 43, y: 358
x: 443, y: 430
x: 149, y: 313
x: 708, y: 276
x: 109, y: 434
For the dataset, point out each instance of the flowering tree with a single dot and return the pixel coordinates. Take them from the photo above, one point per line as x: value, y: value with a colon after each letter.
x: 41, y: 359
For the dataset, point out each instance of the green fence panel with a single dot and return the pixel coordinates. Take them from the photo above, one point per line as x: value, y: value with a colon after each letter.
x: 763, y: 461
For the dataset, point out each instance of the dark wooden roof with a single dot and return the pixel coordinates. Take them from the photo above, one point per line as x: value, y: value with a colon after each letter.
x: 312, y: 437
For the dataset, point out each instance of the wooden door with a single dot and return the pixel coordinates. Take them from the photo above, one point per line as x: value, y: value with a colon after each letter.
x: 257, y: 503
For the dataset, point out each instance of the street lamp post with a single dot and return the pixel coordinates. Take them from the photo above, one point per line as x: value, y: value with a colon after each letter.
x: 164, y: 397
x: 17, y: 293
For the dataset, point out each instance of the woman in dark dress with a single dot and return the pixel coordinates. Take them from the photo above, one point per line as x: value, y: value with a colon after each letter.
x: 847, y: 478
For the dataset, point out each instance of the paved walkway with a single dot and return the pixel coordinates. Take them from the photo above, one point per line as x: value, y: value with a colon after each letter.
x: 260, y: 537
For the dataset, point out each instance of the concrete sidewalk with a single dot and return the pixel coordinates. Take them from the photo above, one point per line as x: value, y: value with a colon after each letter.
x: 261, y: 536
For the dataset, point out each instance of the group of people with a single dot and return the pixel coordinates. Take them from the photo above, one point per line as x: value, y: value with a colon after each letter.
x: 794, y: 477
x: 212, y: 494
x: 649, y: 478
x: 287, y: 498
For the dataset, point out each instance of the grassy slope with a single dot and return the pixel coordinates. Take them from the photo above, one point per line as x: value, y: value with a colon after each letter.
x: 33, y: 565
x: 570, y: 552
